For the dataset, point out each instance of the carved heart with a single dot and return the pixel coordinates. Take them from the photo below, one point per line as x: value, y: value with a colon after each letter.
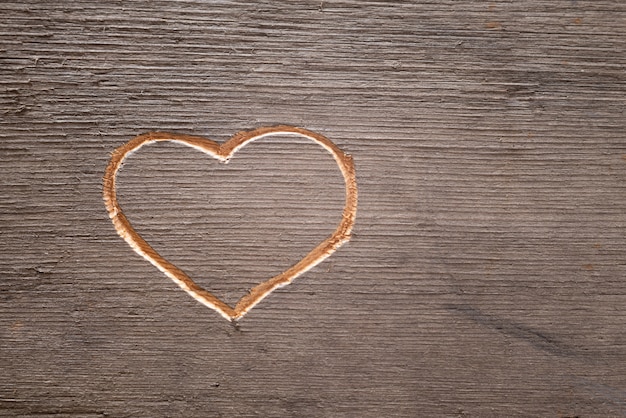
x: 223, y: 153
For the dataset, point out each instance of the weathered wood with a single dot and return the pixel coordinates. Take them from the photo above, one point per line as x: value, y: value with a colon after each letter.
x: 486, y: 275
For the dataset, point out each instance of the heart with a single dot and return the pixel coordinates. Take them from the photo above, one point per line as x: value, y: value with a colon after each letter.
x: 223, y: 153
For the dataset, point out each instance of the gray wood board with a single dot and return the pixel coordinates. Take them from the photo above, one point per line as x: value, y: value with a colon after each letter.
x: 486, y: 274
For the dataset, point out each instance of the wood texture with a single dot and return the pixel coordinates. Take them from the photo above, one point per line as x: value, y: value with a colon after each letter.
x: 486, y: 274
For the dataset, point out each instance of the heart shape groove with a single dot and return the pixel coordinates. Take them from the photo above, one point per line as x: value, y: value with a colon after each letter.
x: 223, y: 153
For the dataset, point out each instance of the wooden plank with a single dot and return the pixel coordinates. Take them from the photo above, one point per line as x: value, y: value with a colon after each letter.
x: 486, y: 273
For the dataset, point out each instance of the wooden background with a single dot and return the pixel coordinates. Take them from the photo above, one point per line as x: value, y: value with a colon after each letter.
x: 486, y: 276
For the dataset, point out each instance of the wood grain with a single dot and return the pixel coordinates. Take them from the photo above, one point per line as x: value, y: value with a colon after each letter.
x: 486, y: 273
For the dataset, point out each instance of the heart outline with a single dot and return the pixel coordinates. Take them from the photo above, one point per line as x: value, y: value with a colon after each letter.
x: 223, y: 152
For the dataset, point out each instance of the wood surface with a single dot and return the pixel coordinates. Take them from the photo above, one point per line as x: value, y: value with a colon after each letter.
x: 486, y: 276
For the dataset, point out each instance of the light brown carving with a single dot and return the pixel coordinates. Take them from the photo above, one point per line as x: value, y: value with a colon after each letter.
x: 223, y: 153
